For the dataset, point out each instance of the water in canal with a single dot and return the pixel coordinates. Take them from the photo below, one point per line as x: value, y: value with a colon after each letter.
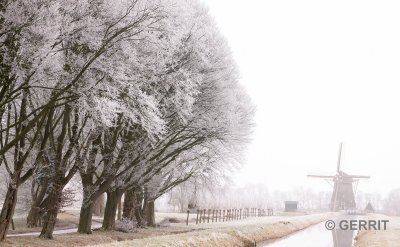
x: 315, y: 236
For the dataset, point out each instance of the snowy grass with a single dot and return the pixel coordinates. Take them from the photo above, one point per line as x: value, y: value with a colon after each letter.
x: 381, y: 238
x: 224, y: 234
x: 236, y: 233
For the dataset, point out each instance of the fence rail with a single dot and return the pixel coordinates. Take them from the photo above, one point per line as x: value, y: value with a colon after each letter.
x: 223, y: 215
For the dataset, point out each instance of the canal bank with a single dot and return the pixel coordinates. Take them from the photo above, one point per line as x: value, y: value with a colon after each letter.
x: 389, y: 237
x: 239, y: 234
x: 322, y: 234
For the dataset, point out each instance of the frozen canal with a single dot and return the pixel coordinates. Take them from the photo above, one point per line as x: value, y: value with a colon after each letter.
x: 315, y: 236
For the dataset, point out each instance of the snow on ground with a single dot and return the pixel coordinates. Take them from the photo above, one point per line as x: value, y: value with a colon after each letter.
x: 235, y: 233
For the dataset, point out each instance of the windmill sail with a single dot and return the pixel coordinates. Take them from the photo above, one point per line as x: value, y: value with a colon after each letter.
x: 340, y: 157
x: 343, y: 193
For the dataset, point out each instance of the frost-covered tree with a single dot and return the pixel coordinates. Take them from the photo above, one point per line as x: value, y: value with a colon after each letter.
x: 218, y: 126
x: 392, y: 202
x: 62, y: 47
x: 193, y: 56
x: 27, y: 38
x: 135, y: 96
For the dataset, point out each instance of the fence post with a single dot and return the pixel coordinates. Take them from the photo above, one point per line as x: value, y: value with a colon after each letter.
x: 187, y: 218
x: 208, y: 218
x: 197, y: 217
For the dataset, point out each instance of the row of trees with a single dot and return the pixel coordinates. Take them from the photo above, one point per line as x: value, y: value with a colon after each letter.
x: 134, y: 96
x: 204, y: 194
x: 251, y: 195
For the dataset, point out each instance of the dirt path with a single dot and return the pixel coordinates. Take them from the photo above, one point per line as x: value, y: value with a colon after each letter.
x: 67, y: 223
x: 56, y: 232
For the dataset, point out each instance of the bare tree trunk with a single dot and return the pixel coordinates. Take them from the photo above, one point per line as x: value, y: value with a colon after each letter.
x: 50, y: 217
x: 138, y: 212
x: 111, y: 210
x: 33, y: 218
x: 35, y: 213
x: 10, y: 200
x: 98, y: 207
x: 148, y: 212
x: 139, y: 217
x: 7, y: 211
x: 129, y: 205
x: 85, y: 218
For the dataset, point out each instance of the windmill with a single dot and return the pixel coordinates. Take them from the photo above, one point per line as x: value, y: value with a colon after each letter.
x: 344, y: 187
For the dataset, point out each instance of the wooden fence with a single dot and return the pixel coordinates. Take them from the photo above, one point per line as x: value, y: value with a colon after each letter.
x: 223, y: 215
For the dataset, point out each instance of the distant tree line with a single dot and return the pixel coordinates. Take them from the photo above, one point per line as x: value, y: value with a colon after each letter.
x: 133, y: 96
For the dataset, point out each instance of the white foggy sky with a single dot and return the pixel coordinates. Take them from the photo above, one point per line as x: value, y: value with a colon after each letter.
x: 319, y: 72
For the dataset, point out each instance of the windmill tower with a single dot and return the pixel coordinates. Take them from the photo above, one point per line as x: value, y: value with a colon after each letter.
x: 344, y: 187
